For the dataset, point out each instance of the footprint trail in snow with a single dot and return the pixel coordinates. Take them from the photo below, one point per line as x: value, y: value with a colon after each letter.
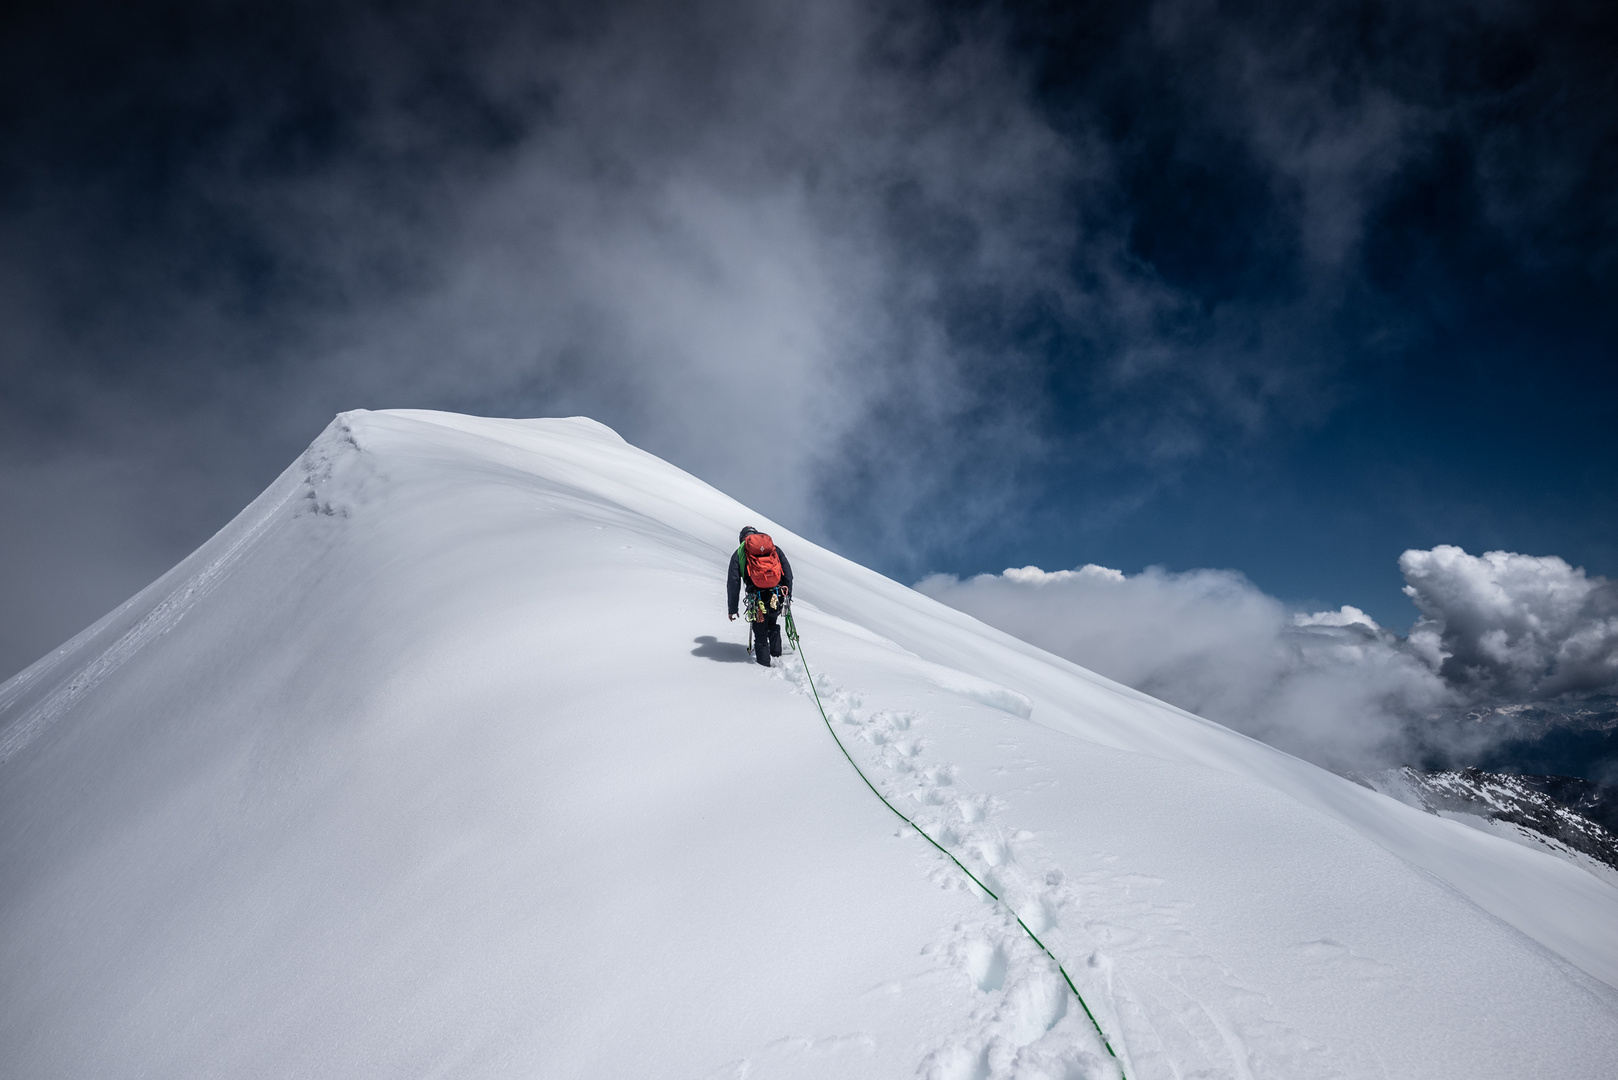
x: 1028, y: 1024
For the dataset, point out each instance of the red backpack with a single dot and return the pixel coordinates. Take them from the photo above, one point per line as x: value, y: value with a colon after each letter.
x: 763, y: 565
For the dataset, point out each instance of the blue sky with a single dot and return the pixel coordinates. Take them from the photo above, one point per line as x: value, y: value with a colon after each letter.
x: 1434, y: 364
x: 1281, y: 288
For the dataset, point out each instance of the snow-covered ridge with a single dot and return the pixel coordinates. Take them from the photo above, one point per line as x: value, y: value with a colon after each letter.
x: 436, y: 761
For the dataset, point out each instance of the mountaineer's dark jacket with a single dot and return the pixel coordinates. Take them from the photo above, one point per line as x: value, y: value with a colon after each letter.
x: 733, y: 580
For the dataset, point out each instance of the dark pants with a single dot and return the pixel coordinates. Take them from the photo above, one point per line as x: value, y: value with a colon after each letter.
x: 766, y: 634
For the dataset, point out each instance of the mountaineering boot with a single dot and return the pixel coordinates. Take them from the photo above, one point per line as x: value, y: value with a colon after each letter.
x: 761, y: 647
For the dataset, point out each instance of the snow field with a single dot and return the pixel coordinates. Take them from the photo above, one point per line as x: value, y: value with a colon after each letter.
x: 1027, y: 1023
x: 1194, y: 943
x: 439, y: 761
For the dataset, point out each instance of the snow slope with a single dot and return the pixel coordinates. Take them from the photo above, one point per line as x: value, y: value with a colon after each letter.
x: 442, y: 760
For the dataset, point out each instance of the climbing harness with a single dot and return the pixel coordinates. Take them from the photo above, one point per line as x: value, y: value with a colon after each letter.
x: 760, y: 602
x: 792, y: 635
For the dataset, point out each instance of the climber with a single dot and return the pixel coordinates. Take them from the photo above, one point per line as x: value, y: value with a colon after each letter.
x: 769, y: 589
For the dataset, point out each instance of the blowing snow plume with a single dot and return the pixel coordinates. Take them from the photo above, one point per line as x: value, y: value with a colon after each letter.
x: 734, y: 230
x: 430, y: 763
x: 1496, y: 631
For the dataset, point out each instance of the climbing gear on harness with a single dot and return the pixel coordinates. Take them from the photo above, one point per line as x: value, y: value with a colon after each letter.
x: 792, y: 635
x: 759, y: 603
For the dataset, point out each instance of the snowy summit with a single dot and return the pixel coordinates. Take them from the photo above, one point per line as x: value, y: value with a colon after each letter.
x: 443, y: 760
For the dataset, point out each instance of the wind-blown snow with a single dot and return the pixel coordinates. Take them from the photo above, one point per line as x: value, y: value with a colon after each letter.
x: 442, y: 760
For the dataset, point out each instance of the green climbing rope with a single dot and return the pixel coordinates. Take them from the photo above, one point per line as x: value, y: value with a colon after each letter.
x: 797, y: 645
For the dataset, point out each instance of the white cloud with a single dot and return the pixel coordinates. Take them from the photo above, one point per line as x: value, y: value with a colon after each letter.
x: 1513, y: 626
x: 1344, y: 616
x: 1332, y: 687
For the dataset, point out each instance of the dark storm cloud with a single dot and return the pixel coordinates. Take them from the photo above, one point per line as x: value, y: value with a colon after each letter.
x: 631, y: 208
x: 893, y: 272
x: 1504, y: 626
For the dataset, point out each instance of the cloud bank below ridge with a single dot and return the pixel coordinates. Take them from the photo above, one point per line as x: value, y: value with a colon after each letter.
x: 1333, y: 686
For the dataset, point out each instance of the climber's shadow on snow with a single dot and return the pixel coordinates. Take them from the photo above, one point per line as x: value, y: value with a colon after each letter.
x: 726, y: 652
